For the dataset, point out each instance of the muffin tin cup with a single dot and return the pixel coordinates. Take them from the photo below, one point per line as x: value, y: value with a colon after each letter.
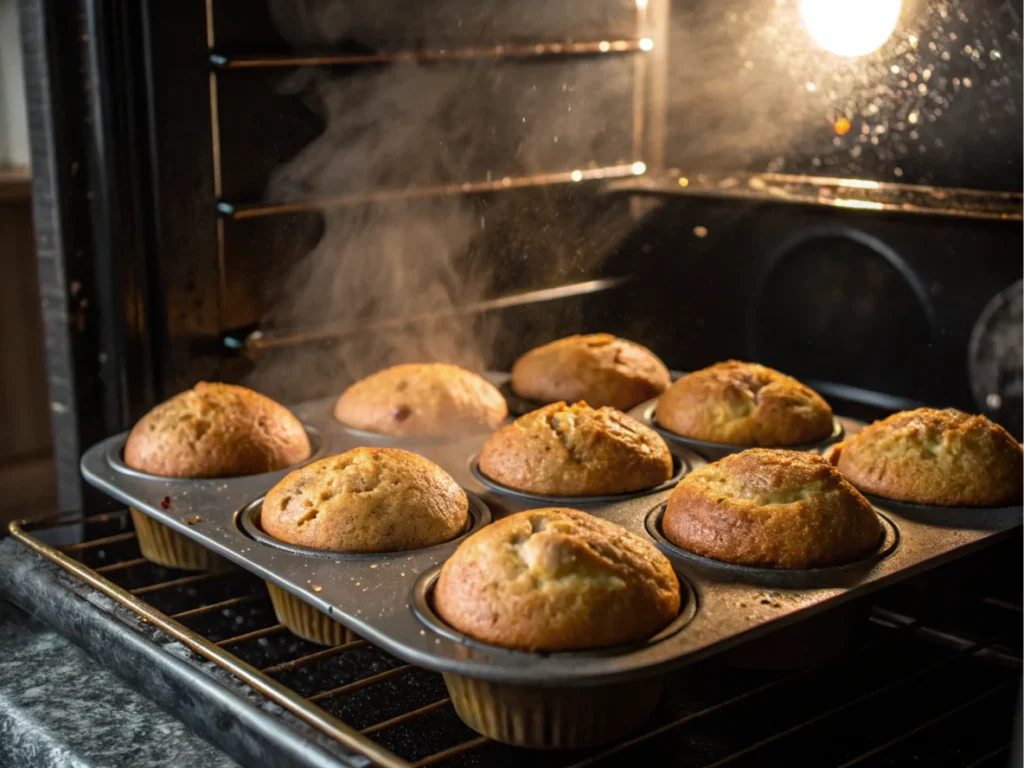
x: 306, y: 621
x: 520, y: 406
x: 298, y: 616
x: 680, y: 467
x: 985, y: 518
x: 794, y: 578
x: 163, y: 546
x: 714, y: 451
x: 552, y: 718
x: 249, y: 521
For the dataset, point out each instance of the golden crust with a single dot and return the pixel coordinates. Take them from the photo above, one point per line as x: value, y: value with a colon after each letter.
x: 939, y: 457
x: 771, y: 508
x: 563, y: 450
x: 422, y: 400
x: 599, y: 368
x: 366, y: 500
x: 216, y: 430
x: 555, y: 580
x: 747, y: 404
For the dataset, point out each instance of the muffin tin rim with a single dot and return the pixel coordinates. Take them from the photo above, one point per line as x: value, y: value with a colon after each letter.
x: 801, y: 578
x: 421, y: 600
x: 479, y: 513
x: 685, y: 467
x: 708, y: 448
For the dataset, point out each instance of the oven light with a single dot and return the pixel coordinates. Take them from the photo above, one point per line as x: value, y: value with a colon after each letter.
x: 850, y: 27
x: 646, y: 44
x: 639, y: 168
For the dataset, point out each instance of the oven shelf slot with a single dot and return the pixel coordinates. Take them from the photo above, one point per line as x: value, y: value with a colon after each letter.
x: 237, y: 211
x: 225, y: 61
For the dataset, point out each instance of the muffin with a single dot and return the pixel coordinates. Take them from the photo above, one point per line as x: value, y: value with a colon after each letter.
x: 216, y: 430
x: 363, y: 500
x: 599, y: 368
x: 422, y: 400
x: 771, y: 509
x: 211, y: 430
x: 366, y: 500
x: 555, y: 580
x: 744, y: 404
x: 576, y: 450
x: 939, y: 457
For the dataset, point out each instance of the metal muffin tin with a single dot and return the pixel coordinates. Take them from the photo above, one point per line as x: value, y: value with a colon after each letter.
x: 381, y: 597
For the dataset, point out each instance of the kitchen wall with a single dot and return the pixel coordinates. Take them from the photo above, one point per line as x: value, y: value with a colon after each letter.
x: 26, y: 464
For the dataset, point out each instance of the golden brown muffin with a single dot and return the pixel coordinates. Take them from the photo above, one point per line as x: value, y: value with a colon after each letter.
x: 940, y: 457
x: 771, y: 508
x: 745, y: 404
x: 366, y: 500
x: 216, y: 430
x: 576, y: 450
x: 422, y: 400
x: 598, y: 368
x: 556, y: 580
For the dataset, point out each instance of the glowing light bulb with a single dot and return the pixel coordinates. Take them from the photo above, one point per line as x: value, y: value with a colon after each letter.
x: 639, y: 168
x: 646, y: 44
x: 850, y: 27
x: 576, y: 176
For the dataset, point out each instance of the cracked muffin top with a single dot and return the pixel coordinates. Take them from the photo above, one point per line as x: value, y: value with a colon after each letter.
x: 939, y: 457
x: 216, y: 430
x: 556, y: 580
x: 366, y: 500
x: 771, y: 508
x: 744, y: 404
x: 422, y: 400
x: 576, y: 450
x: 598, y: 368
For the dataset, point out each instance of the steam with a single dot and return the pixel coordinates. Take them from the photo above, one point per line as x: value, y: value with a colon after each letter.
x: 410, y: 125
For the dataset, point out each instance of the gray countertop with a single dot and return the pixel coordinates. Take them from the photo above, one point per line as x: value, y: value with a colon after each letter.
x: 59, y: 708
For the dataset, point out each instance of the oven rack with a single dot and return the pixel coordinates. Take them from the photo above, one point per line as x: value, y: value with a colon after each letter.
x: 963, y: 685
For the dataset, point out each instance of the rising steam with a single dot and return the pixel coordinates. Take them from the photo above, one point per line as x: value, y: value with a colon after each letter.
x: 409, y: 125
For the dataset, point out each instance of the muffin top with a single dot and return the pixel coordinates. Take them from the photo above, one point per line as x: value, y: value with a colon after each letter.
x: 771, y: 508
x: 576, y: 450
x: 744, y: 404
x: 216, y: 430
x: 599, y: 368
x: 422, y: 400
x: 556, y: 580
x: 366, y: 500
x: 939, y: 457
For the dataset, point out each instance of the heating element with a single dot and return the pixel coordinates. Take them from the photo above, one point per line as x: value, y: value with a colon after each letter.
x: 924, y: 679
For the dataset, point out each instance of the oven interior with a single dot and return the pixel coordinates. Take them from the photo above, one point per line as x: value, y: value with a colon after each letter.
x: 295, y: 194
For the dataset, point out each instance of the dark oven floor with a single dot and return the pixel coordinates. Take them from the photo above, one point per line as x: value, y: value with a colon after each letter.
x: 930, y: 676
